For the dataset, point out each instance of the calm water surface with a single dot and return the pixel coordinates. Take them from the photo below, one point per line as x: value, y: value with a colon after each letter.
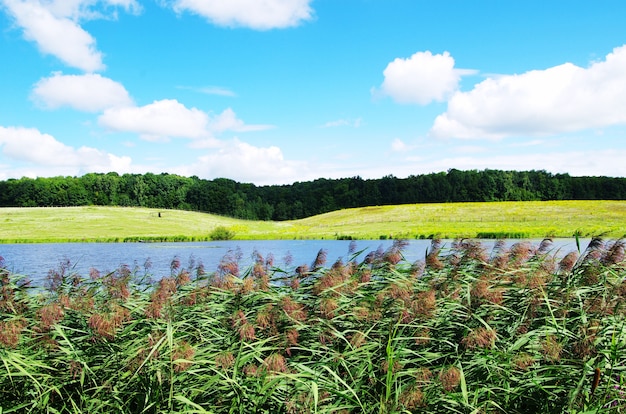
x: 35, y: 260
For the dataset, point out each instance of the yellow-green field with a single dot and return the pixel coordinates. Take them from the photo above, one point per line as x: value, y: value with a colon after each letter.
x: 451, y: 220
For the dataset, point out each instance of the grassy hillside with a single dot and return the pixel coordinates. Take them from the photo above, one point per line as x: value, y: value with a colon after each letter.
x: 506, y: 219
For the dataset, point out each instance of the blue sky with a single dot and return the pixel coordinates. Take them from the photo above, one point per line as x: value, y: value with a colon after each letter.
x: 279, y: 91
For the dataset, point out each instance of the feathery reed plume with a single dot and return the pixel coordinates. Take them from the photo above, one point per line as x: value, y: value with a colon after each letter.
x: 520, y: 252
x: 479, y: 338
x: 327, y: 307
x: 500, y: 255
x: 58, y: 277
x: 594, y: 251
x: 293, y: 309
x: 424, y: 304
x: 225, y: 360
x: 352, y: 247
x: 182, y: 356
x: 423, y: 376
x: 266, y: 317
x: 393, y: 255
x: 417, y: 268
x: 244, y: 328
x: 481, y: 292
x: 292, y: 336
x: 275, y: 363
x: 106, y: 324
x: 183, y: 278
x: 450, y: 378
x: 49, y: 315
x: 551, y: 348
x: 11, y: 331
x: 432, y: 256
x: 320, y: 260
x: 358, y: 340
x: 422, y: 337
x: 412, y: 398
x: 260, y: 275
x: 395, y: 367
x: 567, y: 262
x: 288, y: 259
x: 9, y: 303
x: 472, y: 251
x: 369, y: 258
x: 545, y: 246
x: 94, y: 274
x: 116, y: 283
x: 585, y: 346
x: 614, y: 253
x: 160, y: 297
x: 523, y: 361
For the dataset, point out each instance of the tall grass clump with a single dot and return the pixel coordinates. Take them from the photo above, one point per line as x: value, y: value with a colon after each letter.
x: 517, y: 329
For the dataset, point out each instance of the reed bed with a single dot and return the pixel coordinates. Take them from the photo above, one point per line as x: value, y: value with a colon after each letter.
x: 512, y: 330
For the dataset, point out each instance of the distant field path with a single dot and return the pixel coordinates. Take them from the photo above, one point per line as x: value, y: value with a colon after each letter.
x: 476, y: 220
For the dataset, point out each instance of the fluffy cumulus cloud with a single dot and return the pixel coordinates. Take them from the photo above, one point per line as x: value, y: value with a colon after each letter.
x: 558, y: 99
x: 244, y: 162
x: 55, y: 27
x: 169, y: 118
x: 158, y: 120
x: 228, y: 121
x: 89, y: 92
x: 255, y: 14
x: 30, y: 146
x: 422, y: 78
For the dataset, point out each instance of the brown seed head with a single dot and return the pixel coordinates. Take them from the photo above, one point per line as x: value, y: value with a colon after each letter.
x: 412, y: 398
x: 183, y: 356
x: 551, y: 348
x: 480, y: 338
x: 450, y: 378
x: 224, y: 360
x: 246, y: 332
x: 275, y: 363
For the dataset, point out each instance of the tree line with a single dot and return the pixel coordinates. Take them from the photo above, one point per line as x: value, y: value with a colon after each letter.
x: 302, y: 199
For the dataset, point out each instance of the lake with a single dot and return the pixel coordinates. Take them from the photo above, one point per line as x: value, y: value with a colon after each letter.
x: 35, y: 260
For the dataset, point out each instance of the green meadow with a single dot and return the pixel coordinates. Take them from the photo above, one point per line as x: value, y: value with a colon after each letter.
x: 449, y: 220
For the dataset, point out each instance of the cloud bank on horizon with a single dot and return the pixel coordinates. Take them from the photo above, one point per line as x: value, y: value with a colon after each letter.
x: 327, y: 90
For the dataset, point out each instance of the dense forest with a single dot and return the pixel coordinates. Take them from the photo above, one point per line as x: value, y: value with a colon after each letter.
x: 302, y: 199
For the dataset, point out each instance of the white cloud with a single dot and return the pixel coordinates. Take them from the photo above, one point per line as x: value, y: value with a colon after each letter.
x: 47, y: 154
x: 400, y: 146
x: 558, y: 99
x: 422, y: 78
x: 88, y: 9
x: 89, y: 92
x: 243, y: 162
x: 58, y: 36
x: 255, y: 14
x: 169, y: 118
x: 211, y: 90
x: 54, y: 26
x: 355, y: 123
x: 228, y: 121
x: 158, y: 120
